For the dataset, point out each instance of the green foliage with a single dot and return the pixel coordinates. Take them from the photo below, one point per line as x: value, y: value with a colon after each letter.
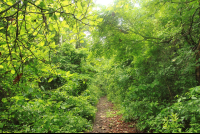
x: 141, y: 54
x: 52, y: 111
x: 149, y: 59
x: 43, y: 66
x: 182, y: 116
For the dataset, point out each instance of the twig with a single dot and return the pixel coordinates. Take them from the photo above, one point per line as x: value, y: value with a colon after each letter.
x: 10, y: 7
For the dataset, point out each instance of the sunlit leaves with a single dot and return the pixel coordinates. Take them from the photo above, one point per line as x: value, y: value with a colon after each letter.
x: 38, y: 2
x: 79, y: 15
x: 13, y: 71
x: 52, y: 45
x: 100, y: 19
x: 65, y: 2
x: 68, y: 74
x: 72, y: 41
x: 50, y: 79
x: 149, y: 45
x: 9, y: 3
x: 4, y: 100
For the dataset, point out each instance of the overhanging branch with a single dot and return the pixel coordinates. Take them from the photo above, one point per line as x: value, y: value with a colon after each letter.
x: 10, y: 7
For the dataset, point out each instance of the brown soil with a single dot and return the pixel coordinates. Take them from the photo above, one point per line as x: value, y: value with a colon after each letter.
x: 107, y: 121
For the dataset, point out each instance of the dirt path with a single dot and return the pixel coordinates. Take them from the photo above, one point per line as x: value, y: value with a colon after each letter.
x: 107, y: 121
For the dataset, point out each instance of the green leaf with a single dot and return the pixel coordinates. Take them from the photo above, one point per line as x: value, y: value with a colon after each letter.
x: 68, y: 74
x: 79, y: 15
x: 65, y: 2
x: 1, y: 66
x: 2, y: 124
x: 73, y: 40
x: 51, y: 14
x: 12, y: 71
x: 63, y: 107
x: 55, y: 17
x: 42, y: 88
x: 9, y: 3
x: 197, y: 89
x: 152, y: 85
x: 42, y: 4
x: 4, y: 100
x: 100, y: 19
x: 2, y: 43
x: 50, y: 80
x: 194, y: 98
x: 85, y: 21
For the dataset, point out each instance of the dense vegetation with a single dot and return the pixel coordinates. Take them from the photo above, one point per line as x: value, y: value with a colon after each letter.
x: 46, y: 82
x: 144, y: 55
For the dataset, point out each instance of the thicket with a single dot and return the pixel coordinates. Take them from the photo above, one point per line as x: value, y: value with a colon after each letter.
x: 46, y: 81
x: 149, y: 62
x: 144, y: 55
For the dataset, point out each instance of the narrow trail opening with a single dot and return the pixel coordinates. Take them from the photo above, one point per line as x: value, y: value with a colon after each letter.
x: 108, y: 121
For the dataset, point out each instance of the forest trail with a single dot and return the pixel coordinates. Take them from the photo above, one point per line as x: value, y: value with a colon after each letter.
x: 107, y: 120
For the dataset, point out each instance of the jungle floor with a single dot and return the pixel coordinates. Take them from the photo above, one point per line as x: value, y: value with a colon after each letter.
x: 108, y: 121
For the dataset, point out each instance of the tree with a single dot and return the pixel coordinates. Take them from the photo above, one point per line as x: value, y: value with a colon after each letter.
x: 152, y: 49
x: 32, y: 34
x: 28, y: 35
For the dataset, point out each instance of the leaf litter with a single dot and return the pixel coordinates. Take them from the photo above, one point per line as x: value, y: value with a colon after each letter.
x: 108, y: 121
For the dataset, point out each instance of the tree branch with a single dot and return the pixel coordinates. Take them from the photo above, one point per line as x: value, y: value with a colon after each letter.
x: 10, y: 7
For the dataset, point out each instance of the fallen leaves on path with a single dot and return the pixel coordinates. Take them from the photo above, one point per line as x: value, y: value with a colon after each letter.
x: 112, y: 123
